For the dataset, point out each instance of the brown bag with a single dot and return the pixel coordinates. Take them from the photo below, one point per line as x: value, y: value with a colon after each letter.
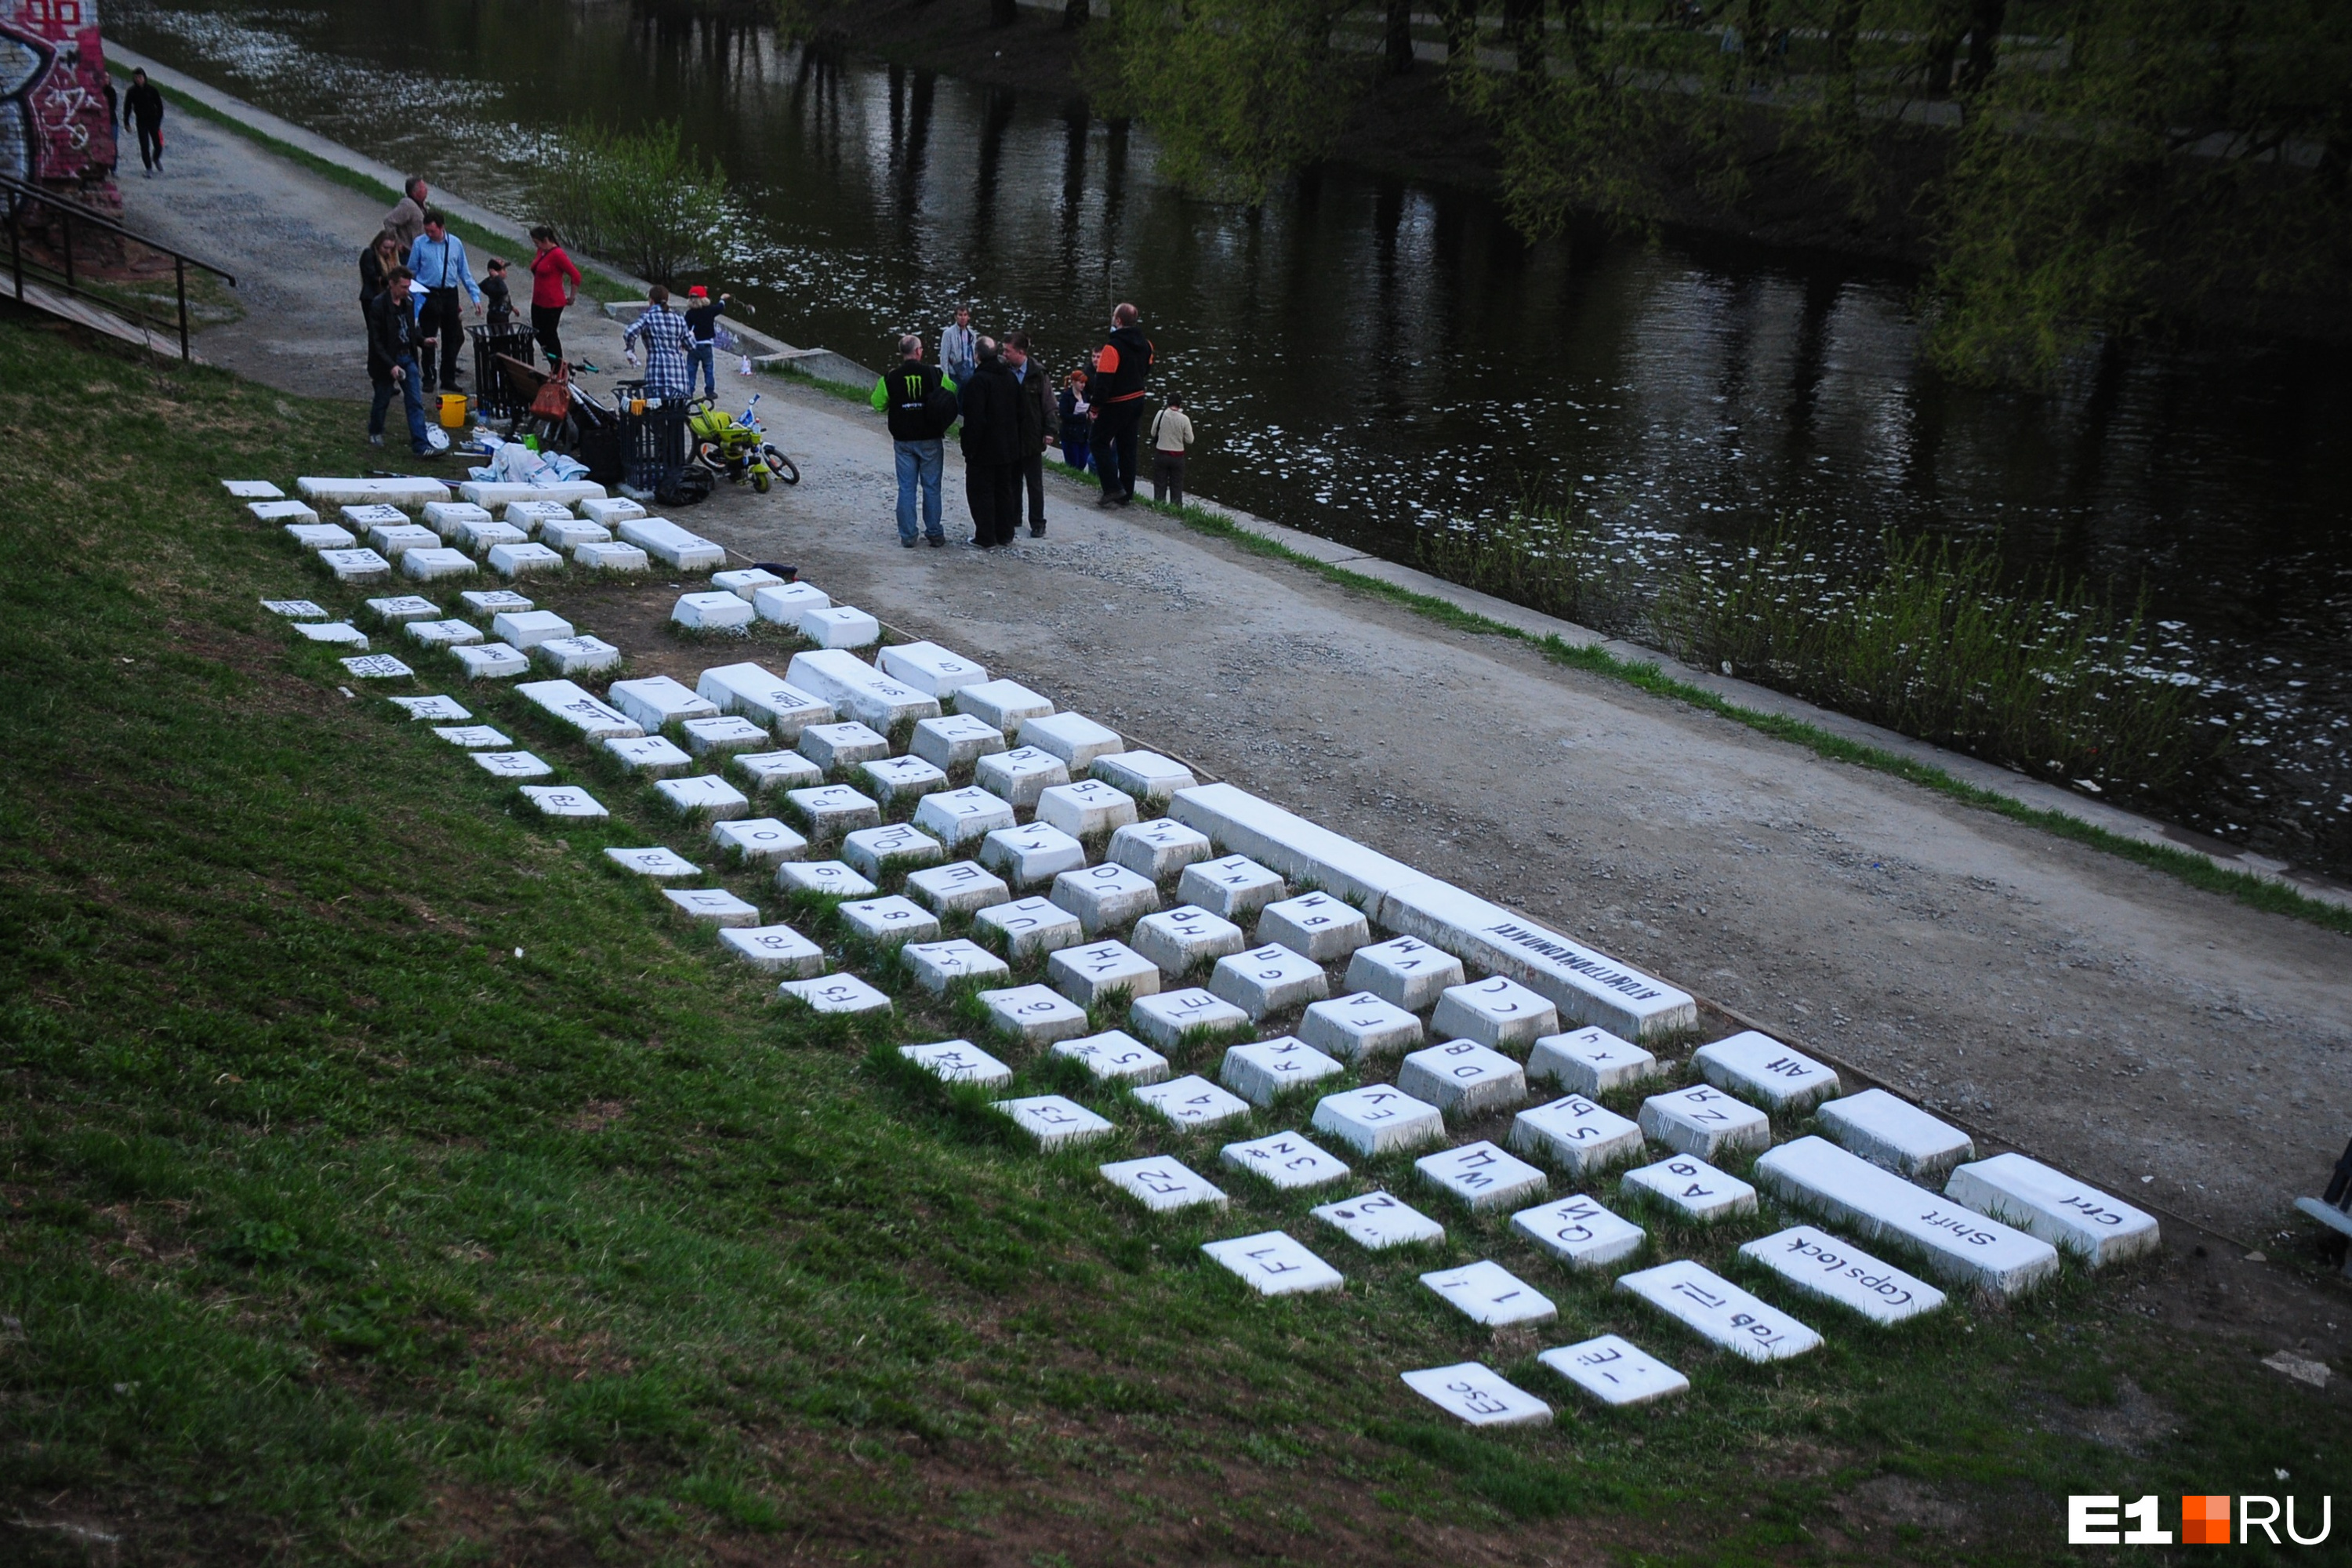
x: 554, y: 399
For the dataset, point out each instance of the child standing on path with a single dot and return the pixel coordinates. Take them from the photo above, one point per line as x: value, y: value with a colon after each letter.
x: 1171, y: 432
x: 496, y: 299
x: 702, y: 321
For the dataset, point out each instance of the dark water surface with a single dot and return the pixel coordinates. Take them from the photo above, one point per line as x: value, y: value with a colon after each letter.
x: 1370, y: 356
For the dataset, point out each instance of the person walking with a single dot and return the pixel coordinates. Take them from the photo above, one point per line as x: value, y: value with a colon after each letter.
x: 144, y: 105
x: 406, y: 220
x: 438, y: 263
x: 702, y: 315
x: 1120, y: 366
x: 392, y: 361
x: 992, y: 447
x: 554, y: 284
x: 1171, y: 433
x: 663, y: 331
x: 911, y: 397
x: 1038, y: 416
x: 959, y: 350
x: 1077, y: 427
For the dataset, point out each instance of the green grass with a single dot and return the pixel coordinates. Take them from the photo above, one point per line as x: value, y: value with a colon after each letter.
x: 384, y: 1177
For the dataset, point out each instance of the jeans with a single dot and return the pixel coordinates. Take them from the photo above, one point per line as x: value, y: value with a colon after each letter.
x: 1077, y: 445
x: 1168, y: 476
x: 409, y: 393
x: 707, y: 356
x: 1115, y: 447
x: 923, y: 460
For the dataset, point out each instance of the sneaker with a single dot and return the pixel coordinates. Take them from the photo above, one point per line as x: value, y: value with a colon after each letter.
x: 1037, y: 531
x: 938, y: 540
x: 375, y: 440
x: 907, y: 543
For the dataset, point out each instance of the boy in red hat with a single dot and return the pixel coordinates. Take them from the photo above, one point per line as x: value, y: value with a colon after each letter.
x: 702, y: 313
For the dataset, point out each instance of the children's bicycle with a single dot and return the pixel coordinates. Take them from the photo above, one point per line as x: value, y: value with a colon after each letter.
x: 736, y: 446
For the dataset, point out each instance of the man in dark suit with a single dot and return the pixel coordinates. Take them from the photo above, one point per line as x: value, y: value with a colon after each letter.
x: 992, y: 448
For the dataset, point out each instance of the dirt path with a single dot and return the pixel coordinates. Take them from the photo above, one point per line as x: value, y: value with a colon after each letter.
x: 2099, y: 1015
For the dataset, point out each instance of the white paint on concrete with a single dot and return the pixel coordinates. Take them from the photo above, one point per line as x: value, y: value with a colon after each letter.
x: 1162, y: 1185
x: 612, y: 512
x: 858, y: 691
x: 1085, y: 809
x: 1590, y: 1061
x: 714, y: 612
x: 712, y: 906
x: 955, y: 741
x: 361, y: 567
x: 960, y: 816
x: 1115, y: 1057
x: 1167, y: 1019
x: 1616, y: 1372
x: 1491, y: 1295
x: 756, y: 841
x: 1146, y: 775
x: 1761, y: 1069
x: 1360, y: 1027
x: 704, y: 798
x: 964, y: 887
x: 376, y: 667
x: 1720, y: 1312
x: 1481, y: 1176
x: 832, y: 810
x: 1820, y: 1264
x: 1031, y: 856
x: 1105, y: 898
x: 340, y: 634
x: 671, y: 545
x: 1005, y: 704
x: 1034, y: 1015
x: 724, y: 735
x: 568, y: 537
x: 1028, y: 927
x: 526, y: 628
x: 1020, y: 775
x: 1091, y: 974
x: 839, y: 627
x: 578, y: 655
x: 1896, y: 1133
x: 394, y: 539
x: 1497, y: 1011
x: 400, y: 609
x: 1158, y: 849
x: 1056, y: 1122
x: 652, y: 860
x: 304, y: 610
x: 576, y: 706
x: 474, y: 737
x: 525, y: 560
x: 1286, y: 1160
x: 322, y: 489
x: 1703, y: 1122
x: 1268, y: 980
x: 1073, y: 738
x: 1578, y: 1231
x: 1183, y: 939
x: 1233, y: 888
x: 656, y: 700
x: 894, y: 845
x: 842, y: 995
x: 768, y: 772
x: 1477, y: 1397
x: 1273, y: 1265
x: 650, y: 756
x: 889, y: 921
x: 1578, y: 1136
x: 764, y: 698
x: 615, y: 557
x: 513, y: 765
x: 745, y: 581
x: 928, y: 667
x: 2053, y: 1207
x: 1190, y: 1102
x: 481, y: 602
x: 1463, y: 1077
x: 1405, y: 971
x: 825, y: 878
x: 1376, y: 1222
x: 565, y: 802
x: 958, y: 1062
x: 1314, y: 925
x: 1379, y: 1119
x: 1692, y: 1188
x: 837, y: 748
x: 491, y: 661
x: 783, y: 605
x: 441, y: 709
x: 1264, y: 1070
x: 937, y: 966
x: 894, y: 780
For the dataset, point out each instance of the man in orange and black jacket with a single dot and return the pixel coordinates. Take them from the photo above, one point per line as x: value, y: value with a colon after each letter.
x: 1116, y: 391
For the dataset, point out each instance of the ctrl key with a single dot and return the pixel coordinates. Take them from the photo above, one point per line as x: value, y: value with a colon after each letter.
x: 1476, y: 1397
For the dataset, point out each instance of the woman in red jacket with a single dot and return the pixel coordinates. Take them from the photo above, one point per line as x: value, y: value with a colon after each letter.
x: 554, y: 283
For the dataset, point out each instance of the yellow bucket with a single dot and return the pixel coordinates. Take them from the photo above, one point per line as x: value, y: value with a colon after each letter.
x: 452, y: 411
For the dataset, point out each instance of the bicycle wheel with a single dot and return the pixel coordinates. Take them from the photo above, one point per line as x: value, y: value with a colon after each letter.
x: 780, y: 465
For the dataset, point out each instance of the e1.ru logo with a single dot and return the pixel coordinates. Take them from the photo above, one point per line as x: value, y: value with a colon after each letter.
x: 2204, y: 1521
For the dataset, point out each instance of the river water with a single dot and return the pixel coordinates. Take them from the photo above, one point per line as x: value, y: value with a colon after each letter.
x: 1370, y: 356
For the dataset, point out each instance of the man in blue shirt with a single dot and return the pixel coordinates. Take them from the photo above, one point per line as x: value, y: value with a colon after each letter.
x: 443, y: 274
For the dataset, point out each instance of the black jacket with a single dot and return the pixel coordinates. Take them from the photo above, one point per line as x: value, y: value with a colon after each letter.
x: 901, y: 394
x: 992, y: 415
x: 372, y: 272
x: 1120, y: 366
x: 144, y: 105
x: 392, y: 333
x: 1038, y: 417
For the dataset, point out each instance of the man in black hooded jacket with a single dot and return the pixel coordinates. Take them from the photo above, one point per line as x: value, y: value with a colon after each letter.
x: 1116, y: 391
x: 992, y: 448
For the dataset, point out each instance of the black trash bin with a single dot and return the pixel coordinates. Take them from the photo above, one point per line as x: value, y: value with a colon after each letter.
x: 652, y: 437
x: 494, y: 394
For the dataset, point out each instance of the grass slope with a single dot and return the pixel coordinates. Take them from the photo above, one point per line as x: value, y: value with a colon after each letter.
x: 383, y: 1178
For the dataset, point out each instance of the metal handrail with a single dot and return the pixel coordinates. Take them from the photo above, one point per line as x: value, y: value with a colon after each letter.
x: 22, y: 192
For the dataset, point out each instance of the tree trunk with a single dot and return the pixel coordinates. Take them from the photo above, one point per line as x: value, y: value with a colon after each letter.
x: 1075, y: 14
x: 1461, y: 18
x: 1523, y: 27
x: 1944, y: 29
x: 1845, y: 83
x: 1400, y: 37
x: 1984, y: 39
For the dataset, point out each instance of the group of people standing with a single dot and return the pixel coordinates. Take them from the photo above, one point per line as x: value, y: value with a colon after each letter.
x: 417, y: 284
x: 1011, y: 414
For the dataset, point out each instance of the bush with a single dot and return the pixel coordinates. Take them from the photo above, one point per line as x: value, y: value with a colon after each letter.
x: 642, y: 199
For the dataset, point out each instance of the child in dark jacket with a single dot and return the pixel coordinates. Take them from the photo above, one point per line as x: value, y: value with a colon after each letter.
x: 498, y: 304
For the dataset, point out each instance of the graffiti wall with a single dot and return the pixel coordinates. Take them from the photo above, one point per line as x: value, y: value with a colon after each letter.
x: 54, y: 124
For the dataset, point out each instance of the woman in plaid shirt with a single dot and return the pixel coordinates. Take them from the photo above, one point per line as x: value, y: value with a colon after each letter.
x: 666, y: 340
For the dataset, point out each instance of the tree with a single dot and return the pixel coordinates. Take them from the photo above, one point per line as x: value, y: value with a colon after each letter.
x: 642, y: 199
x: 1075, y: 14
x: 1397, y: 37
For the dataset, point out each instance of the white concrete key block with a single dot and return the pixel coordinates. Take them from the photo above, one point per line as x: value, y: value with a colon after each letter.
x: 662, y: 864
x: 577, y: 655
x: 1579, y: 1232
x: 1115, y: 1057
x: 1034, y: 1015
x: 566, y: 803
x: 481, y: 602
x: 525, y: 560
x: 443, y: 634
x: 890, y: 920
x: 1580, y: 1137
x: 479, y: 536
x: 511, y: 764
x: 394, y: 539
x: 373, y: 514
x: 1289, y: 844
x: 1461, y: 1078
x: 1169, y: 1018
x: 2053, y: 1207
x: 1268, y: 980
x: 840, y: 994
x: 1147, y: 776
x: 1897, y: 1134
x: 1285, y: 1160
x: 440, y: 710
x: 1162, y: 1185
x: 1497, y: 1011
x: 1029, y: 926
x: 493, y: 493
x: 768, y: 772
x: 1379, y: 1119
x: 342, y: 633
x: 715, y: 611
x: 474, y: 737
x: 1073, y: 738
x: 965, y: 888
x: 955, y: 741
x: 322, y: 489
x: 1720, y: 1312
x: 1483, y: 1176
x: 612, y: 557
x: 574, y: 705
x: 1314, y: 925
x: 1758, y: 1067
x: 315, y: 536
x: 282, y: 511
x: 1704, y: 1122
x: 376, y: 667
x: 251, y: 490
x: 530, y: 516
x: 1190, y: 1102
x: 401, y: 610
x: 1959, y: 1245
x: 1020, y: 775
x: 446, y: 517
x: 612, y: 512
x: 1264, y: 1070
x: 1590, y: 1061
x: 875, y: 850
x: 650, y: 756
x: 1491, y: 1295
x: 782, y: 605
x: 1005, y: 704
x: 566, y: 538
x: 1183, y: 939
x: 359, y: 567
x: 671, y: 545
x: 1616, y: 1372
x: 1091, y: 974
x: 1105, y: 898
x: 1405, y: 971
x: 928, y: 667
x: 1692, y: 1188
x: 896, y: 779
x: 713, y: 906
x: 1085, y: 808
x: 960, y: 816
x: 657, y: 700
x: 304, y: 610
x: 1476, y: 1397
x: 745, y: 581
x: 937, y: 966
x: 756, y: 841
x: 1376, y: 1222
x: 1820, y: 1264
x: 491, y: 661
x: 526, y: 629
x: 1056, y: 1122
x: 704, y: 798
x: 825, y: 879
x: 958, y: 1062
x: 1234, y: 889
x: 1159, y: 850
x: 764, y: 698
x: 839, y: 627
x: 1355, y: 1029
x: 1032, y: 855
x: 832, y: 810
x: 1274, y: 1265
x: 837, y: 748
x: 724, y: 735
x: 858, y: 691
